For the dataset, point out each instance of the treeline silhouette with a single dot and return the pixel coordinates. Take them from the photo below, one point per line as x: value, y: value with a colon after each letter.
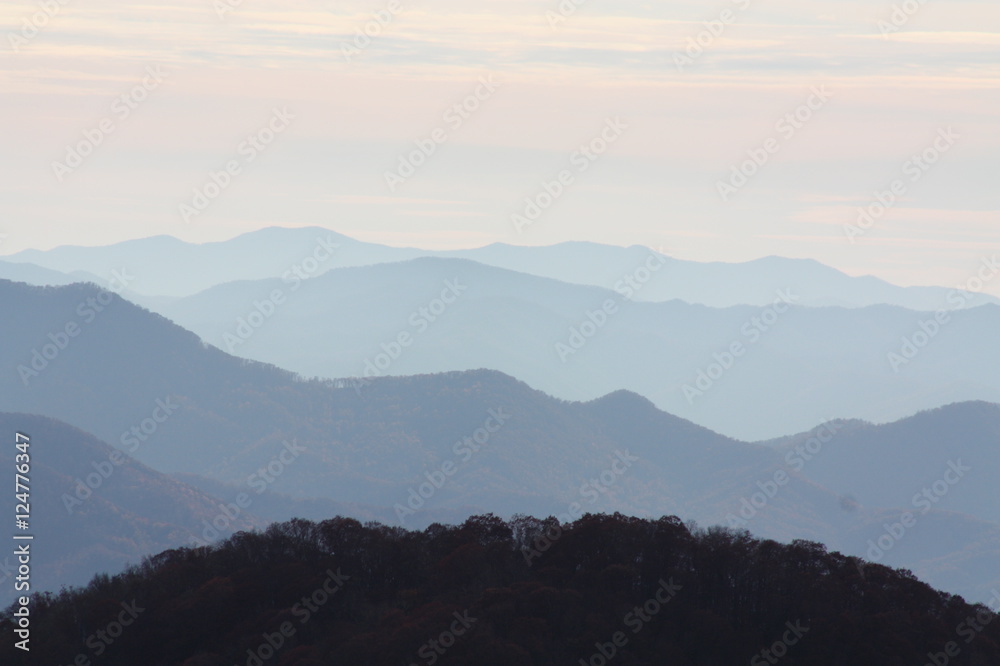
x: 604, y: 589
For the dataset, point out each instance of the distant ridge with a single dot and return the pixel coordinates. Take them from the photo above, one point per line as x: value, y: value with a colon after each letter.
x: 272, y: 251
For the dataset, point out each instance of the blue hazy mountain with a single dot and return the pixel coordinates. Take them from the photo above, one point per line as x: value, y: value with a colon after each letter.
x: 475, y: 440
x: 32, y: 274
x: 793, y: 367
x: 166, y: 266
x: 94, y: 508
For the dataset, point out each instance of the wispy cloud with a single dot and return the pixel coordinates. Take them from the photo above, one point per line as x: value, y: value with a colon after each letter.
x: 354, y: 118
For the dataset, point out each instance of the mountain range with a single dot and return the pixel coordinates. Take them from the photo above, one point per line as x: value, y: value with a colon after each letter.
x: 167, y: 267
x: 415, y: 446
x: 747, y: 371
x: 744, y: 349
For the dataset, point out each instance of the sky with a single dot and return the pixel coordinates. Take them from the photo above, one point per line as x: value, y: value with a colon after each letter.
x: 721, y: 131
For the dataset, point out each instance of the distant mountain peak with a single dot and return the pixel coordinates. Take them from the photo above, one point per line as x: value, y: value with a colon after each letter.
x: 624, y: 397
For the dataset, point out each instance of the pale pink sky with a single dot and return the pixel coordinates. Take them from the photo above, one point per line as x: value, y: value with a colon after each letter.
x: 557, y: 86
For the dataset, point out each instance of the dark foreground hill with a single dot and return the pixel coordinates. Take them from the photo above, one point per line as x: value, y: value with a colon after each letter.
x: 495, y: 593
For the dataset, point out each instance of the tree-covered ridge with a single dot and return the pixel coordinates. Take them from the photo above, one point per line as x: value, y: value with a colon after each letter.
x: 602, y: 589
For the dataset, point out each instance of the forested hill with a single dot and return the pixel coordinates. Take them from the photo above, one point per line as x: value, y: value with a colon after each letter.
x: 488, y: 592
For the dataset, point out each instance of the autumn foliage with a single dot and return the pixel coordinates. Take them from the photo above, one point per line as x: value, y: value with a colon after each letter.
x: 494, y: 592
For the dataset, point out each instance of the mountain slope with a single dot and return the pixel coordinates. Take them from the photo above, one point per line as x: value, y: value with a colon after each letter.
x: 948, y: 455
x: 796, y: 366
x: 474, y: 440
x: 94, y: 508
x: 262, y: 254
x: 716, y: 284
x: 32, y: 274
